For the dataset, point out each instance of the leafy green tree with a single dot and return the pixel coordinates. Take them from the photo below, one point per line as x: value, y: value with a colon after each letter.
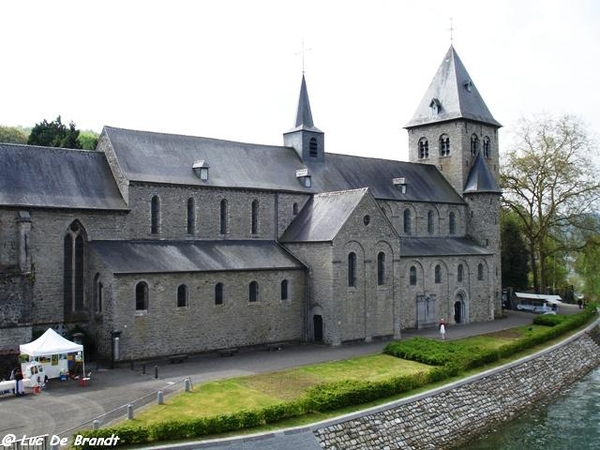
x: 588, y: 266
x: 515, y: 268
x: 13, y: 135
x: 551, y: 184
x: 88, y: 139
x: 54, y: 134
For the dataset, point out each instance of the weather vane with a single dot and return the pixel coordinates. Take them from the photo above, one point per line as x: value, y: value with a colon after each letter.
x: 451, y: 32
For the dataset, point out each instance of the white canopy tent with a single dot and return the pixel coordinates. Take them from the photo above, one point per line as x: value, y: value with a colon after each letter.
x: 48, y: 344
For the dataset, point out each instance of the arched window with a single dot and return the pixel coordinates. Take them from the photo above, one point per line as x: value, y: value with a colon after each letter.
x: 423, y: 148
x: 407, y: 221
x: 381, y: 269
x: 254, y: 228
x: 68, y: 273
x: 223, y: 217
x: 486, y: 147
x: 438, y: 274
x: 430, y: 222
x: 295, y: 209
x: 219, y: 294
x: 460, y: 273
x: 182, y: 296
x: 412, y: 275
x: 352, y: 269
x: 73, y: 249
x: 284, y: 290
x: 474, y: 144
x: 253, y: 292
x: 444, y: 145
x: 313, y: 148
x: 155, y: 215
x: 191, y: 216
x: 452, y: 223
x: 141, y: 296
x: 480, y: 272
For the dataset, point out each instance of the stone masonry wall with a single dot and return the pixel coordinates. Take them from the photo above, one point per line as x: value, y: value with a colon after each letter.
x: 15, y: 311
x: 450, y: 416
x: 201, y: 325
x: 456, y: 166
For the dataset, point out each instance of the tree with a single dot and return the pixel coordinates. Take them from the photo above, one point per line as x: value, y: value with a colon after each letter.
x: 515, y: 268
x: 13, y: 135
x: 588, y: 266
x: 88, y: 139
x: 54, y: 134
x: 550, y: 183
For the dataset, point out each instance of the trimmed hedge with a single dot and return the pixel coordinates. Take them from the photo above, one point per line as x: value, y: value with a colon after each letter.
x: 549, y: 320
x: 448, y: 358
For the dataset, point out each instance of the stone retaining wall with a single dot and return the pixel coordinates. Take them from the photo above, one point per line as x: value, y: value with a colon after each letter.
x: 452, y: 415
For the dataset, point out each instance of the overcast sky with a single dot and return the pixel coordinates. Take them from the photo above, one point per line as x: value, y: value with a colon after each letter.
x: 232, y: 69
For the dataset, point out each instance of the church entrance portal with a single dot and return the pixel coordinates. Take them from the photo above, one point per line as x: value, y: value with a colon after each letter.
x: 318, y: 328
x: 458, y: 311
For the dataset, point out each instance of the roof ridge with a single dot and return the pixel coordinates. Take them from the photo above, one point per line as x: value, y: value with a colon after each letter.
x: 190, y: 136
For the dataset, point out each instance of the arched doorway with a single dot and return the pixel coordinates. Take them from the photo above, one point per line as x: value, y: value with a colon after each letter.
x: 318, y: 328
x: 458, y: 311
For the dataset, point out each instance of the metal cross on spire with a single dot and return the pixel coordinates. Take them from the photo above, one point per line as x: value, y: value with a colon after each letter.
x: 304, y: 50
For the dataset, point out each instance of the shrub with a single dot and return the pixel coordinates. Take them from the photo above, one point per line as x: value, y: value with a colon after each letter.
x: 177, y: 429
x: 549, y: 320
x: 127, y: 436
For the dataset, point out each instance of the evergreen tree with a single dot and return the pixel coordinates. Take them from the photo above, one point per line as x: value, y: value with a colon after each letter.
x: 515, y: 268
x: 54, y: 134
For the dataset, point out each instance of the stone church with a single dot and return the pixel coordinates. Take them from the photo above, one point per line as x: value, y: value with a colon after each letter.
x: 160, y: 244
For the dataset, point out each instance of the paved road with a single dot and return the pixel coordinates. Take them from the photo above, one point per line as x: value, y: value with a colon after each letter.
x: 66, y: 406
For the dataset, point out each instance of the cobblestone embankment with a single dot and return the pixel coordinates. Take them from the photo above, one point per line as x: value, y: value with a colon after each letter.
x: 449, y: 416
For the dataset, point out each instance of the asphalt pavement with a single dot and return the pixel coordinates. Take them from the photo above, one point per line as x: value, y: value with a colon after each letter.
x: 64, y: 407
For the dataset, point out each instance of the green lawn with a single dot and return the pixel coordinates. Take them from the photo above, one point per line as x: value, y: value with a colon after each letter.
x: 255, y: 391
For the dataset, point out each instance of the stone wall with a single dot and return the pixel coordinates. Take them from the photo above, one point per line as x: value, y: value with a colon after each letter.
x: 165, y: 328
x: 452, y: 415
x: 15, y: 311
x: 456, y: 166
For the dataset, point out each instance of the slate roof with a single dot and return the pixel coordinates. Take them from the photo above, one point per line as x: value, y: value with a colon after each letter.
x: 323, y: 216
x: 304, y: 120
x: 452, y: 91
x: 480, y: 178
x: 32, y: 176
x: 440, y: 246
x: 138, y: 257
x: 424, y: 182
x: 166, y: 158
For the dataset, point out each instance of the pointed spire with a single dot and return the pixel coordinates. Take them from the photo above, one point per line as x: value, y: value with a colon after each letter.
x: 480, y: 179
x: 304, y: 120
x: 452, y: 95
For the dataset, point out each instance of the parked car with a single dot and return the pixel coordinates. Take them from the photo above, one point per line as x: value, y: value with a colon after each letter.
x: 530, y: 308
